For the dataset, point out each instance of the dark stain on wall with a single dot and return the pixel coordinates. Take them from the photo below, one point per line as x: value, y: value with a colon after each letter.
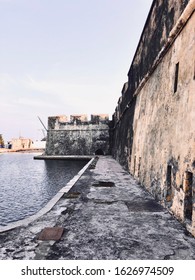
x: 122, y: 134
x: 161, y: 19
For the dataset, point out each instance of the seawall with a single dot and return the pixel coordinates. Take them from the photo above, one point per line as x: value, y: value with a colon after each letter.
x: 105, y: 215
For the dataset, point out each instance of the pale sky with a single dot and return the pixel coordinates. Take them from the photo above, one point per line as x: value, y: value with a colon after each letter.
x: 62, y: 57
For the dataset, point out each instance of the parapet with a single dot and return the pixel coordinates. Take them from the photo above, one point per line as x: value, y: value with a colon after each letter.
x: 56, y: 122
x: 99, y: 118
x: 78, y: 118
x: 125, y: 88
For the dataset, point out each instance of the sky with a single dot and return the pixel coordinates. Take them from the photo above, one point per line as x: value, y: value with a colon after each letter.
x: 62, y: 57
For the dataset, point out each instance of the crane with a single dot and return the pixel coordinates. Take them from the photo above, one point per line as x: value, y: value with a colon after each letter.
x: 42, y: 123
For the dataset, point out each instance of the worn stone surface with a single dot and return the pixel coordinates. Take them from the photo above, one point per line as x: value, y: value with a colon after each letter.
x: 164, y: 127
x: 121, y: 221
x: 161, y: 19
x: 78, y: 136
x: 153, y: 135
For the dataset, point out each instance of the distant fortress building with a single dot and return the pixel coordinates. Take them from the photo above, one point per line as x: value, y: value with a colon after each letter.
x: 153, y: 126
x: 78, y: 135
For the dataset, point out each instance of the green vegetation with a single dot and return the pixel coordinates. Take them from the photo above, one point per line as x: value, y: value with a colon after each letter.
x: 1, y: 141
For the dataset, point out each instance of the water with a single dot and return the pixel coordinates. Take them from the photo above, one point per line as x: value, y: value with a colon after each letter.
x: 26, y: 185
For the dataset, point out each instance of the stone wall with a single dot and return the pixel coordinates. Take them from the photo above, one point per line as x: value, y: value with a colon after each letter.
x: 154, y: 122
x: 78, y: 136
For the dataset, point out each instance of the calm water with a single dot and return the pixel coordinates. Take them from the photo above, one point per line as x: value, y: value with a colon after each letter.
x: 26, y: 185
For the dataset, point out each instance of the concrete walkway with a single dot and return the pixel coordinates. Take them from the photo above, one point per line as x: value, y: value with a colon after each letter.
x: 106, y: 215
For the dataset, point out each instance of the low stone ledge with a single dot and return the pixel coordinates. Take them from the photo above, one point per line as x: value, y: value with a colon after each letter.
x: 68, y: 157
x: 50, y: 204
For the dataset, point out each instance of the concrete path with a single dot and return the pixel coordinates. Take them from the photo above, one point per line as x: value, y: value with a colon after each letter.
x: 106, y: 215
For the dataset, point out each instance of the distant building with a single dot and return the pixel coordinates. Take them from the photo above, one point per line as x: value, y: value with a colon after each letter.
x: 21, y: 143
x: 78, y: 136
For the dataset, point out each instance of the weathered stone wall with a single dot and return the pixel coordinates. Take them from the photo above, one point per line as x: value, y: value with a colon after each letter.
x: 153, y: 44
x: 154, y: 122
x: 162, y: 18
x: 78, y: 136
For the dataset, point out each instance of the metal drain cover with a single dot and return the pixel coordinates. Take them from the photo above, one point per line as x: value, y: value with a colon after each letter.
x: 72, y: 195
x: 51, y: 233
x: 144, y: 206
x: 103, y: 184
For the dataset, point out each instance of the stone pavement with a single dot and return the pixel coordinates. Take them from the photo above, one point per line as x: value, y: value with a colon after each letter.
x: 106, y: 215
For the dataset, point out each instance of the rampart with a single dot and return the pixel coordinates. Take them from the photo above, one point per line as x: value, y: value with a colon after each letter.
x: 154, y: 122
x: 153, y: 128
x: 78, y: 135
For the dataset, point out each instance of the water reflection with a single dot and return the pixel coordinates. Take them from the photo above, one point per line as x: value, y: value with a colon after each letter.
x: 26, y: 185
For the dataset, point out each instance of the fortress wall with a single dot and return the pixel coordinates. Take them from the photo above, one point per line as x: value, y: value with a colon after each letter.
x: 161, y: 20
x: 153, y: 44
x: 164, y: 124
x: 154, y: 128
x: 78, y: 136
